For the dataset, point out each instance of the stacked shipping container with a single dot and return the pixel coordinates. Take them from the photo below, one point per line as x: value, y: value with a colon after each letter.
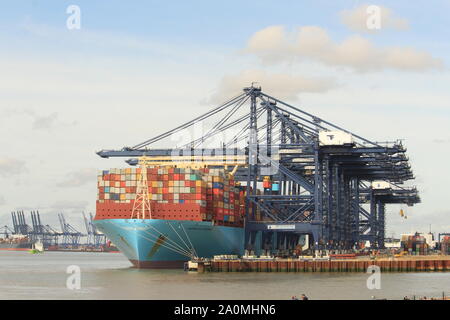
x: 415, y: 245
x: 176, y: 193
x: 445, y: 245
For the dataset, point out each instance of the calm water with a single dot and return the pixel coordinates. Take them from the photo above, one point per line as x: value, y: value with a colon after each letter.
x: 109, y: 276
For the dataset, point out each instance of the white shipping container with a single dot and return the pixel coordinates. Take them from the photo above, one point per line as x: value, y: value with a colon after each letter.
x: 381, y: 185
x: 335, y: 138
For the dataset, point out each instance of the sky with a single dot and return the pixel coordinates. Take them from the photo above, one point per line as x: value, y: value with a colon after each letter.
x: 132, y: 71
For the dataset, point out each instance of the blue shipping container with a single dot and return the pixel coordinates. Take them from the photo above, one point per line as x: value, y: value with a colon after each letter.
x: 217, y: 185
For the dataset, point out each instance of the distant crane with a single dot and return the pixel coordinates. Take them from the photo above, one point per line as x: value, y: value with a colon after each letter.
x: 94, y: 237
x: 19, y: 223
x: 99, y: 238
x: 71, y: 236
x: 43, y: 233
x: 6, y: 231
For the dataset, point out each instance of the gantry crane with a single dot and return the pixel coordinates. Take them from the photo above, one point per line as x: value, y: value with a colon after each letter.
x: 71, y: 236
x: 331, y: 184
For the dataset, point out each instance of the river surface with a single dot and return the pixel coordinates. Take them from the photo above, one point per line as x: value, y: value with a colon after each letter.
x: 110, y: 276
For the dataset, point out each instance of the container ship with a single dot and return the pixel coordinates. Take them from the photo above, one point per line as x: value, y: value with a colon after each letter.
x: 16, y: 243
x: 163, y: 216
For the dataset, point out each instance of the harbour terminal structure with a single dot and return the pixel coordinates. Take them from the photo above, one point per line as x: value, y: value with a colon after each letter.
x: 264, y: 177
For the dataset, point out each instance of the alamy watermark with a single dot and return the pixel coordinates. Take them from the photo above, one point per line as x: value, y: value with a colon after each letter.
x: 73, y: 281
x: 373, y: 21
x: 73, y: 22
x: 374, y: 280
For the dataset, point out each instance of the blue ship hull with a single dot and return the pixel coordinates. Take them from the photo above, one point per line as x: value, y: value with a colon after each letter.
x: 154, y: 243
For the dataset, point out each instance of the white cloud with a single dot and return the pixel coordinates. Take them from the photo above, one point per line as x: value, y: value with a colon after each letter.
x: 45, y: 122
x: 68, y: 205
x: 355, y: 52
x: 356, y: 19
x: 278, y: 84
x: 447, y: 140
x: 2, y: 200
x: 38, y: 121
x: 10, y: 166
x: 79, y: 178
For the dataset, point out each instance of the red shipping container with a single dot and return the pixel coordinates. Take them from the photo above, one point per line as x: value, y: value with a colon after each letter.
x: 123, y: 184
x: 165, y: 184
x: 165, y: 190
x: 166, y: 177
x: 176, y: 177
